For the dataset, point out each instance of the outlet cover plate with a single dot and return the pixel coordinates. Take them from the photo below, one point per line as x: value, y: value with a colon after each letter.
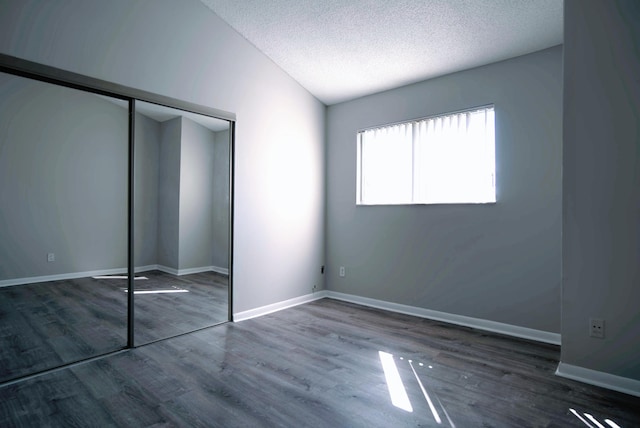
x: 596, y: 328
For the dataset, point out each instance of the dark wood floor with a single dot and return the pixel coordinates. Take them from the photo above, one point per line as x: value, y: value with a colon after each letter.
x: 48, y: 324
x: 318, y: 365
x: 158, y: 316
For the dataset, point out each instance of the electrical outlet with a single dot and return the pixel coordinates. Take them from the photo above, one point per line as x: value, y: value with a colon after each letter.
x: 313, y: 290
x: 51, y: 257
x: 596, y: 327
x: 343, y: 273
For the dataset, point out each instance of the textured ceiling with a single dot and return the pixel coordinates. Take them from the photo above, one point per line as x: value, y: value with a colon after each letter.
x: 344, y: 49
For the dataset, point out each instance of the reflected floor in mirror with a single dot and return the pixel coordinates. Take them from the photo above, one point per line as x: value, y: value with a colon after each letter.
x: 167, y: 305
x: 48, y: 324
x: 321, y: 364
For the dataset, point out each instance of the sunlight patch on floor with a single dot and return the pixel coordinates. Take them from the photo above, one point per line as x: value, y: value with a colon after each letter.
x: 158, y: 291
x: 435, y: 413
x: 397, y: 392
x: 592, y: 422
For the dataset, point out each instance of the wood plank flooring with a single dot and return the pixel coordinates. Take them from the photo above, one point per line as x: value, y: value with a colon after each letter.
x: 48, y: 324
x: 318, y: 365
x: 158, y: 316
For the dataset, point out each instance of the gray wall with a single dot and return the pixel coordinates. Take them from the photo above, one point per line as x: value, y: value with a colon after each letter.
x: 220, y: 189
x: 187, y: 190
x: 77, y: 133
x: 497, y: 262
x: 601, y: 185
x: 146, y: 190
x: 196, y: 195
x: 279, y: 202
x: 169, y: 193
x: 63, y: 180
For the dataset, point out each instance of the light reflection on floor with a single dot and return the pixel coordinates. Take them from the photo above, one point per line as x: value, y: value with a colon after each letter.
x: 174, y: 289
x: 398, y: 392
x: 165, y: 291
x: 592, y: 422
x: 400, y: 398
x: 434, y: 412
x: 157, y: 291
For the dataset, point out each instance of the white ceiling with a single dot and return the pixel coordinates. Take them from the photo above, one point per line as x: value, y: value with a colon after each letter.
x: 344, y: 49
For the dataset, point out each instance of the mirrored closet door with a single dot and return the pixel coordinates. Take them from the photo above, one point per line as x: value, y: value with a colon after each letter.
x: 63, y: 225
x: 181, y: 221
x: 97, y: 182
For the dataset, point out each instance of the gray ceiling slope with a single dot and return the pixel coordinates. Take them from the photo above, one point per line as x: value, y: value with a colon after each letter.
x: 344, y: 49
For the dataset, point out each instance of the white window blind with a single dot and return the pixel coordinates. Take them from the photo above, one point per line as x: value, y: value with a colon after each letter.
x: 438, y: 160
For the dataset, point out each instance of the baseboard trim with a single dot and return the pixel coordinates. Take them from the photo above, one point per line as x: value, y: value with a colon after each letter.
x: 598, y: 378
x: 477, y: 323
x: 180, y: 272
x: 116, y: 271
x: 220, y: 270
x: 140, y: 269
x: 275, y: 307
x: 60, y: 277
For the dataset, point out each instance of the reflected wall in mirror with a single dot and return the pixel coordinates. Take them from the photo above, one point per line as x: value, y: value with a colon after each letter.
x: 181, y: 241
x: 63, y: 225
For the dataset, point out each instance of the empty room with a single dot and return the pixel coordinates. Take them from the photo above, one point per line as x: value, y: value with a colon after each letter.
x: 319, y: 213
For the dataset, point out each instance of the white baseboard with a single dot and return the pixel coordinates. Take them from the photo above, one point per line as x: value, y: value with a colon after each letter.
x: 493, y: 326
x: 194, y: 270
x: 167, y: 269
x: 139, y: 269
x: 480, y: 324
x: 180, y: 272
x: 275, y: 307
x: 220, y: 270
x: 102, y: 272
x: 597, y: 378
x: 60, y: 277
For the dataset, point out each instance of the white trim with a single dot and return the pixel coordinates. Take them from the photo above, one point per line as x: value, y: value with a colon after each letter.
x: 194, y: 270
x: 146, y: 268
x: 102, y: 272
x: 597, y: 378
x: 180, y: 272
x: 220, y: 270
x: 60, y: 277
x: 275, y: 307
x: 167, y: 269
x: 480, y: 324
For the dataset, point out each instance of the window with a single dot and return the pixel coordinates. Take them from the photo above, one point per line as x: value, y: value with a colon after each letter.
x: 446, y: 159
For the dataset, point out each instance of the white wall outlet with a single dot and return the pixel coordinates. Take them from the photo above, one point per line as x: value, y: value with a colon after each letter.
x: 596, y: 327
x: 314, y: 289
x: 51, y: 257
x: 343, y: 273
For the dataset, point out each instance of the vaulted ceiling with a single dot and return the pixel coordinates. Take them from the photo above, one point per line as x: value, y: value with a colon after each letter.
x: 344, y: 49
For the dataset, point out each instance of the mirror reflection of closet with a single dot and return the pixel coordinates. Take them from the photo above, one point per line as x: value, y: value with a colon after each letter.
x: 63, y: 225
x: 181, y: 241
